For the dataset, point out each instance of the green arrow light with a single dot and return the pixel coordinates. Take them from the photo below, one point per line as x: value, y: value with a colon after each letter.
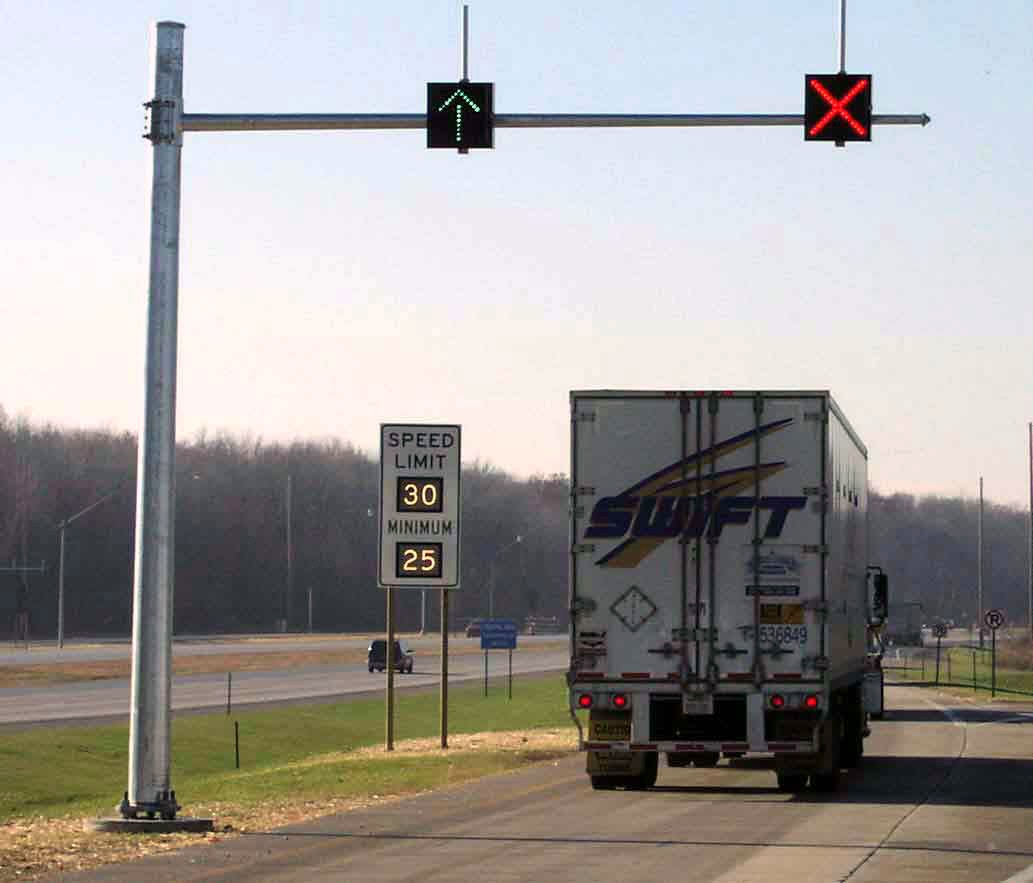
x: 459, y: 94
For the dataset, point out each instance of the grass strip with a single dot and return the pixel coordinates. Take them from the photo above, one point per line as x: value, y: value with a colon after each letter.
x: 301, y: 750
x: 957, y: 671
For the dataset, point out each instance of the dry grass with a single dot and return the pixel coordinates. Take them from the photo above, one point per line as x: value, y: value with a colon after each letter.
x: 1017, y: 654
x: 32, y: 848
x: 48, y: 674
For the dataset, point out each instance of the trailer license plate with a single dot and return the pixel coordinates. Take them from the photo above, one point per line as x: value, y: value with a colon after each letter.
x: 697, y: 703
x: 609, y: 727
x: 781, y: 614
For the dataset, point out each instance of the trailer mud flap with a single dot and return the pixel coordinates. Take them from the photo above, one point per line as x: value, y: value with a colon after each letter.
x: 616, y: 763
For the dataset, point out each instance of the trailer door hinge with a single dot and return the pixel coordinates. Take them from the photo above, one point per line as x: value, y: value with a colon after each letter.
x: 583, y: 417
x: 584, y: 490
x: 582, y: 548
x: 817, y: 605
x: 815, y: 415
x: 814, y: 550
x: 578, y: 511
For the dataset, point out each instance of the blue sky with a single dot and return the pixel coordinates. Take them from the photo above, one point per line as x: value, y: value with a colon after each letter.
x: 332, y: 281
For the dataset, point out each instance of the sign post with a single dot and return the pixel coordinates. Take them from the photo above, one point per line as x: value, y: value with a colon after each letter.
x: 939, y: 632
x: 498, y: 634
x: 994, y: 620
x: 419, y: 529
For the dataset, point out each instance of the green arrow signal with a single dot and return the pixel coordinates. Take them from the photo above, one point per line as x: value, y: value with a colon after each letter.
x: 458, y: 97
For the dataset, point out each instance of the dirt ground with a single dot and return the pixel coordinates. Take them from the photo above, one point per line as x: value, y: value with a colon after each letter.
x: 33, y: 848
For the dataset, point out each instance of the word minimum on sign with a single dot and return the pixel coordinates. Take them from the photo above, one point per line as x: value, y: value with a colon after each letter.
x: 419, y: 505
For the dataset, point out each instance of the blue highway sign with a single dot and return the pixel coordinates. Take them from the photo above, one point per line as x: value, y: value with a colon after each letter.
x: 498, y: 634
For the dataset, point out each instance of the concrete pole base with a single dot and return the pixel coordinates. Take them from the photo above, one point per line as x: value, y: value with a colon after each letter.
x: 120, y: 825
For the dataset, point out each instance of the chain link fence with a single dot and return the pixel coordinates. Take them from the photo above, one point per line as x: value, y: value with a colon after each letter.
x: 965, y: 666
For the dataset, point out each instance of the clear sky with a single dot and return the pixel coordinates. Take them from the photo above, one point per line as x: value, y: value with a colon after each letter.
x: 334, y: 280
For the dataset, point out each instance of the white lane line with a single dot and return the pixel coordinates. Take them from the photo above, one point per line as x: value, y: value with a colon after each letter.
x: 1025, y: 876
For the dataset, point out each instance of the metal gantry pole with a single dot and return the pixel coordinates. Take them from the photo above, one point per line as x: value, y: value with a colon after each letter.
x: 842, y: 36
x: 465, y: 60
x: 303, y: 122
x: 150, y: 790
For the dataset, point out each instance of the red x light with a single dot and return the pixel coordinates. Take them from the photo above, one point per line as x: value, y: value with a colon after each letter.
x: 838, y: 107
x: 584, y: 700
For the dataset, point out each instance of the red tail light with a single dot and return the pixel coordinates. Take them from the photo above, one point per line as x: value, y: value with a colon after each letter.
x: 619, y: 700
x: 584, y: 700
x: 810, y: 701
x: 777, y: 701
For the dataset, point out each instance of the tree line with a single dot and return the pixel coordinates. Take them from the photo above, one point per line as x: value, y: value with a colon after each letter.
x: 231, y: 537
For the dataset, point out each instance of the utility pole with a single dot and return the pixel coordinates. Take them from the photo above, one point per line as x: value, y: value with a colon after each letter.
x: 1029, y: 560
x: 289, y: 590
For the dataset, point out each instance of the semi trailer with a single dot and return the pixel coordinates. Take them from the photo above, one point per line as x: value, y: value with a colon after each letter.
x: 722, y: 601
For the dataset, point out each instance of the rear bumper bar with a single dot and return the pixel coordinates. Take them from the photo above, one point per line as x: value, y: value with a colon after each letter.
x: 704, y: 747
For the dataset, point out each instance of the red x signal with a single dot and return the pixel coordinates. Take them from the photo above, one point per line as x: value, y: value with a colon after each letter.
x: 837, y: 107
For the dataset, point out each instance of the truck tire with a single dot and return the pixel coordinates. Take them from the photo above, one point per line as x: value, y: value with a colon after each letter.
x: 825, y: 782
x: 606, y: 783
x: 679, y: 759
x: 792, y: 782
x: 851, y: 747
x: 647, y: 778
x: 707, y: 759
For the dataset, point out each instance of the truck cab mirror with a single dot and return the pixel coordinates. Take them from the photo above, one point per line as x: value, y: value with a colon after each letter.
x: 880, y: 599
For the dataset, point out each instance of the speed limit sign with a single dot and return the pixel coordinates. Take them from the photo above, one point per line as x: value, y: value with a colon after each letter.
x: 940, y: 630
x: 994, y: 619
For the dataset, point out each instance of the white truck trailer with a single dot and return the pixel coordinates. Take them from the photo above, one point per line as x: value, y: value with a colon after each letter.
x: 721, y: 598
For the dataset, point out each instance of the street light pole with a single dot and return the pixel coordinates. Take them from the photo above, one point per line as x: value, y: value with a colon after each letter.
x: 62, y: 526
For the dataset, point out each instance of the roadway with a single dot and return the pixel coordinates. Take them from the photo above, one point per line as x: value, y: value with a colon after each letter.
x: 945, y: 795
x: 108, y: 699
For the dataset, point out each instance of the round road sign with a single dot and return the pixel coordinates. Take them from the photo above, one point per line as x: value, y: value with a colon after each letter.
x: 994, y: 619
x: 940, y: 630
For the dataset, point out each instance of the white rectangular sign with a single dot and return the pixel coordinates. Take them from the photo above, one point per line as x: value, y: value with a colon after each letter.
x: 419, y: 505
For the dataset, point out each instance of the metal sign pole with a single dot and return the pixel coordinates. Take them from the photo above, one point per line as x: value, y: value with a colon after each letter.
x: 993, y: 662
x: 939, y: 641
x: 390, y: 651
x: 979, y: 568
x: 485, y: 672
x: 444, y: 668
x: 510, y: 674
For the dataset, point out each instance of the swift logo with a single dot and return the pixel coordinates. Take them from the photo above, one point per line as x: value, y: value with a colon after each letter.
x: 682, y: 500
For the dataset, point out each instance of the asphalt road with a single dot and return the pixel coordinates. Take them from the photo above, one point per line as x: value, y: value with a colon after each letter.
x: 945, y: 795
x: 109, y: 699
